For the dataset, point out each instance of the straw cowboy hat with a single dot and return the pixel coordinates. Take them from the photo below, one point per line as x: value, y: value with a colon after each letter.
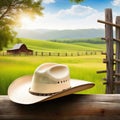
x: 49, y: 81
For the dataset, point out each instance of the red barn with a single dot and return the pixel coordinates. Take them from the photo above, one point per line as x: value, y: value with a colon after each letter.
x: 20, y: 48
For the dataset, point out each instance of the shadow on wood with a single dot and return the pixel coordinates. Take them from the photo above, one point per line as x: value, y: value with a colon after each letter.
x: 72, y: 107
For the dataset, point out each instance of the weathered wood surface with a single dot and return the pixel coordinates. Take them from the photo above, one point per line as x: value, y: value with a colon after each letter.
x: 117, y: 67
x: 72, y: 107
x: 109, y: 49
x: 112, y: 53
x: 108, y: 23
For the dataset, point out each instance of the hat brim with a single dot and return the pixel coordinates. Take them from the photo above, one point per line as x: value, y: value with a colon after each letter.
x: 18, y: 91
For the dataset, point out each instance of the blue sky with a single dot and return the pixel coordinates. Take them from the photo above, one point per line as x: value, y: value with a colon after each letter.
x: 56, y: 5
x: 62, y: 14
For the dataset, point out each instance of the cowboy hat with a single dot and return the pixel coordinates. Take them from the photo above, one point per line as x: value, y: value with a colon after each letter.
x: 49, y: 81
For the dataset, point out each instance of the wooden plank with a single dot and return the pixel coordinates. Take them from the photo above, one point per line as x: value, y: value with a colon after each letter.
x: 117, y: 74
x: 113, y: 39
x: 117, y: 78
x: 104, y: 79
x: 117, y: 82
x: 109, y: 23
x: 103, y: 53
x: 118, y: 40
x: 117, y: 60
x: 103, y: 38
x: 109, y: 50
x: 105, y: 61
x: 101, y: 71
x: 72, y: 107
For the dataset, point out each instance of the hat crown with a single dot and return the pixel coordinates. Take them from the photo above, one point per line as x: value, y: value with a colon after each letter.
x: 50, y: 78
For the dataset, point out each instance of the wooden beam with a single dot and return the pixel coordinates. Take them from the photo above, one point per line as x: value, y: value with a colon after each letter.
x: 103, y: 38
x: 117, y: 82
x: 105, y: 83
x: 72, y: 107
x: 108, y: 23
x: 117, y: 78
x: 101, y: 71
x: 109, y: 50
x: 104, y: 79
x: 105, y: 61
x: 117, y: 60
x: 103, y: 53
x: 117, y: 74
x: 118, y: 40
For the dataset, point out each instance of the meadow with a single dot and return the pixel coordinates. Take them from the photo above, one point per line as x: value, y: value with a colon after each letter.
x: 81, y: 67
x: 45, y: 45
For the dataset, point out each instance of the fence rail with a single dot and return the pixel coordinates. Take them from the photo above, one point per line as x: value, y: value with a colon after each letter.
x: 80, y: 53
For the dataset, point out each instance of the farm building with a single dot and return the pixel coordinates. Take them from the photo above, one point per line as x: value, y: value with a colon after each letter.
x: 20, y: 48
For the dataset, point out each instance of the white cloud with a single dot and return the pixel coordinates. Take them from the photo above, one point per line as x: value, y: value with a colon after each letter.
x: 116, y: 2
x: 48, y: 1
x: 76, y: 17
x: 77, y: 10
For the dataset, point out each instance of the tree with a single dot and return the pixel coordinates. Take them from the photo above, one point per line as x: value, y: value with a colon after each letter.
x: 9, y: 13
x: 6, y: 34
x: 77, y: 1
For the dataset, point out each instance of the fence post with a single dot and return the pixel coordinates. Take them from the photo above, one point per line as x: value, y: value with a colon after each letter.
x: 78, y: 54
x: 109, y: 50
x: 49, y: 53
x: 41, y: 53
x: 95, y: 52
x: 66, y: 54
x: 3, y: 53
x: 36, y: 53
x: 117, y: 71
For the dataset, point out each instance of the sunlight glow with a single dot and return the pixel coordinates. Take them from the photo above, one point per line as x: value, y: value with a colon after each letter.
x: 27, y: 22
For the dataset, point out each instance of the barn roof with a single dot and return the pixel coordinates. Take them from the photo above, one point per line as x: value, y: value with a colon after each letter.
x: 17, y: 46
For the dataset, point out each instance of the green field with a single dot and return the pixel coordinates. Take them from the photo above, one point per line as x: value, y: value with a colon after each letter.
x: 82, y: 67
x: 44, y: 45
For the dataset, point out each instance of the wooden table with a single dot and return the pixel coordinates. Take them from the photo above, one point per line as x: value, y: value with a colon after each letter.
x: 72, y: 107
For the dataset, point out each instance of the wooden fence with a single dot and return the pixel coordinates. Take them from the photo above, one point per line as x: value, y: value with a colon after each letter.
x: 80, y: 53
x: 67, y: 53
x: 112, y: 59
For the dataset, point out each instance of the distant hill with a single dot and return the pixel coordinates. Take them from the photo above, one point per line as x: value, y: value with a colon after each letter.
x: 45, y: 34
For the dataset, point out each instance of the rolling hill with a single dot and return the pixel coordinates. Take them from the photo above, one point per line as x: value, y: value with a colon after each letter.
x: 42, y: 45
x: 45, y: 34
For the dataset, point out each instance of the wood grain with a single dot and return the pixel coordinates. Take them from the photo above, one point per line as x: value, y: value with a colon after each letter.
x: 72, y: 107
x: 109, y: 50
x: 117, y: 67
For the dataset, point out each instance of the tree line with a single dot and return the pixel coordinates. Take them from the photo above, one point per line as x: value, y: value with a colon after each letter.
x: 86, y: 40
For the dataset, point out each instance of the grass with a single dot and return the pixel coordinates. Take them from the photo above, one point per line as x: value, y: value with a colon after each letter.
x: 90, y: 45
x: 44, y: 45
x: 82, y: 67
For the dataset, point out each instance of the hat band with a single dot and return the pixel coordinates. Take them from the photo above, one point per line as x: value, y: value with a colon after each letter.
x: 45, y: 94
x: 42, y: 94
